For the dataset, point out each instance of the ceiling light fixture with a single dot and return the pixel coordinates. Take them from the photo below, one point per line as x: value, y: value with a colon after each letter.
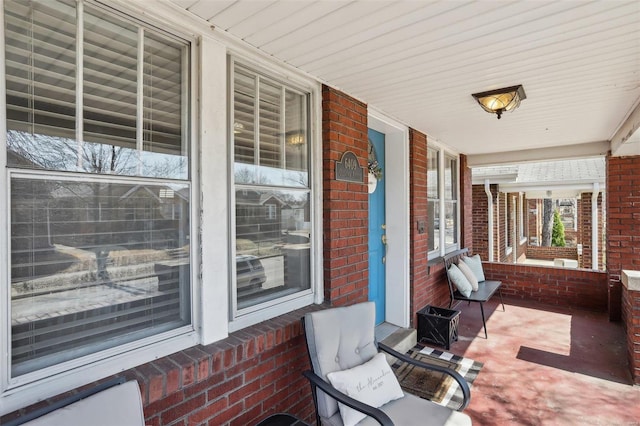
x: 501, y: 100
x: 295, y: 138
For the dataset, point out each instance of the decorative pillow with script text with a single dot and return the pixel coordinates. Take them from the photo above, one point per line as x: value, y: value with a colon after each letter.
x: 372, y: 383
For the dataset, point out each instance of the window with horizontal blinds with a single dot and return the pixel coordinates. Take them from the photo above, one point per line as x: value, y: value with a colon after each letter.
x: 270, y: 131
x: 272, y: 191
x: 40, y: 46
x: 97, y: 261
x: 133, y: 88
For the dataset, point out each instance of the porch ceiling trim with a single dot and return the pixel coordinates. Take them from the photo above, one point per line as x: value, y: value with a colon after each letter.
x: 586, y: 150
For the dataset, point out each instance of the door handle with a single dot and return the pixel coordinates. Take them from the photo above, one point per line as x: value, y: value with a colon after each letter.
x: 384, y: 242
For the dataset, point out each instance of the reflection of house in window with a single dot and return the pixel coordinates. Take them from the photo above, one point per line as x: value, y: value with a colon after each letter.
x: 258, y: 214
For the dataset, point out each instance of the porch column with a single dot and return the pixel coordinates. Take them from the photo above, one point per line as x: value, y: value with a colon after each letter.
x: 594, y: 226
x: 487, y: 190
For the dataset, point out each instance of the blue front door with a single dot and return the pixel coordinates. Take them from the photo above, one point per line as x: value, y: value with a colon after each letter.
x: 377, y: 227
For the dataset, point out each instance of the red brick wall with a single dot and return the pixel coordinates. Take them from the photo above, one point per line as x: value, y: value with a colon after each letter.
x: 623, y: 248
x: 419, y: 294
x: 623, y: 224
x: 552, y: 286
x: 631, y: 316
x: 345, y: 204
x: 550, y: 253
x: 466, y: 205
x: 479, y: 219
x: 239, y: 381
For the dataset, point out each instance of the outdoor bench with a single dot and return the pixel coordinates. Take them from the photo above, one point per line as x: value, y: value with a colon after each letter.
x: 486, y: 288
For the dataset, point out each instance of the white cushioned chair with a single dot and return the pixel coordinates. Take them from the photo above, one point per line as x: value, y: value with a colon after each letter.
x: 339, y: 339
x: 111, y: 403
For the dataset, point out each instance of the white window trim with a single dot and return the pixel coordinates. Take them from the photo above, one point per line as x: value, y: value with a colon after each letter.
x: 33, y: 387
x: 521, y: 218
x: 442, y: 154
x: 435, y: 252
x: 507, y: 248
x: 443, y: 233
x: 268, y: 310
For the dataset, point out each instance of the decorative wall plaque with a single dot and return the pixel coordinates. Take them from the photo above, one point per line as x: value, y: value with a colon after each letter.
x: 348, y: 168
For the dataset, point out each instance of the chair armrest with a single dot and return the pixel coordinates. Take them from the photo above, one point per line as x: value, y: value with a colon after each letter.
x: 317, y: 382
x: 466, y: 392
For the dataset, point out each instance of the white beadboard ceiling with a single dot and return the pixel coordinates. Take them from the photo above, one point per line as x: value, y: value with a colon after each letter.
x: 420, y: 61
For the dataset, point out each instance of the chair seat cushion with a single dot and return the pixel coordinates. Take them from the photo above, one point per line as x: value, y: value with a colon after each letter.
x: 373, y: 383
x: 412, y: 411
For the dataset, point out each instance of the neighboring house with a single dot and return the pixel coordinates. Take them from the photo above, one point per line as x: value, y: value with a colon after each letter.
x: 576, y: 188
x: 143, y: 143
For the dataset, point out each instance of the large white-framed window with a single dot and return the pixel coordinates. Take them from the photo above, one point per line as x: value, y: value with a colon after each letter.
x: 433, y: 199
x: 273, y: 220
x: 443, y: 212
x: 99, y: 187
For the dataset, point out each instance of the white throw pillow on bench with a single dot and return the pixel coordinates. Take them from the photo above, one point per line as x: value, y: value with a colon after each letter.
x: 468, y: 273
x: 475, y: 264
x: 459, y: 280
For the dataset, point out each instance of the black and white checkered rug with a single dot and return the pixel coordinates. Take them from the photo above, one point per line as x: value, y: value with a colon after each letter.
x: 432, y: 385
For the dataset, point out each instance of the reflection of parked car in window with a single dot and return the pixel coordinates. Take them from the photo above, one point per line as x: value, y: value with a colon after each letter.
x: 250, y: 272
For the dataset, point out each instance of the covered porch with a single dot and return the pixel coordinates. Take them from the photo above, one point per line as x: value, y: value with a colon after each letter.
x: 268, y: 103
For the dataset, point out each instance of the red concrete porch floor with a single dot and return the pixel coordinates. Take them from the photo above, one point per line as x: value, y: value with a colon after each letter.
x: 547, y: 366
